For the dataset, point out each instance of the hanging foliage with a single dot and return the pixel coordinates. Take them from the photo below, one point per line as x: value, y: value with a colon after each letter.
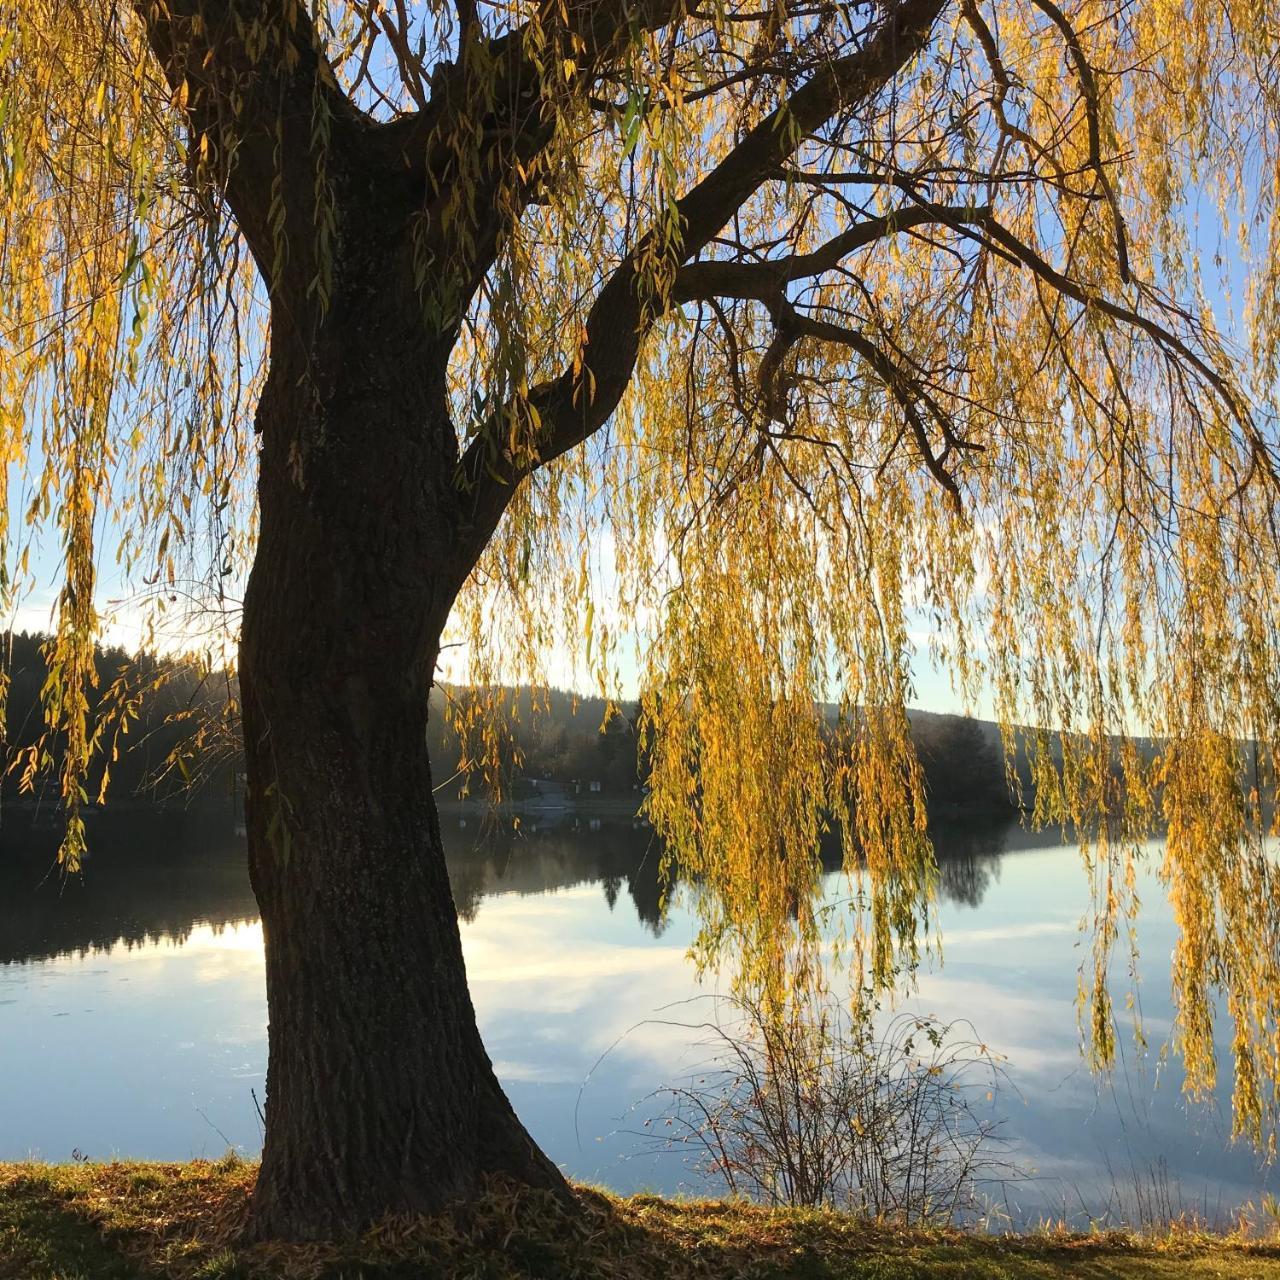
x: 780, y: 337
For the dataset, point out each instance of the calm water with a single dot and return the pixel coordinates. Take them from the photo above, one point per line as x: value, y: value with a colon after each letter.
x: 132, y: 1009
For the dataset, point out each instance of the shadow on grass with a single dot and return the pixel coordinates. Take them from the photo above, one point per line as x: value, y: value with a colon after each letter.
x: 45, y: 1235
x: 517, y: 1235
x: 179, y: 1222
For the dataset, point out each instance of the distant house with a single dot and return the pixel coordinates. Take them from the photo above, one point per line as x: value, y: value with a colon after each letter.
x: 547, y: 794
x: 594, y: 786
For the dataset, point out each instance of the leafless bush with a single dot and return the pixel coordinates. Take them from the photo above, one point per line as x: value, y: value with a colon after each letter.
x: 814, y: 1106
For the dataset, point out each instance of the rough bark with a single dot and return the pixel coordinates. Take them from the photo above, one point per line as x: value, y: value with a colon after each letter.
x: 380, y: 1096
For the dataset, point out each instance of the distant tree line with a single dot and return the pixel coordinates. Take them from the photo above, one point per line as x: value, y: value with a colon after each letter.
x: 168, y: 731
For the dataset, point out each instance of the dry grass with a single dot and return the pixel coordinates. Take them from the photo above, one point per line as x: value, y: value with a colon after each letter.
x: 146, y: 1221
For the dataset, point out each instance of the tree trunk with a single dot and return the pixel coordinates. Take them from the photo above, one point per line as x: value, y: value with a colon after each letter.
x: 380, y: 1096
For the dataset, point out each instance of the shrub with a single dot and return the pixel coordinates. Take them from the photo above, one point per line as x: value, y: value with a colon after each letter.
x: 814, y: 1106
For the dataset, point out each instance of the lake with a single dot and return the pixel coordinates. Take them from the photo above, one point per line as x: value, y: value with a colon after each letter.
x: 133, y: 1013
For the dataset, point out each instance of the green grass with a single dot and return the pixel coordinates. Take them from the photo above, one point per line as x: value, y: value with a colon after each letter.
x: 131, y: 1221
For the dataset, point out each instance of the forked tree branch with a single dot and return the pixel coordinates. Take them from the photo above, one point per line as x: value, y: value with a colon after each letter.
x: 254, y: 85
x: 500, y: 88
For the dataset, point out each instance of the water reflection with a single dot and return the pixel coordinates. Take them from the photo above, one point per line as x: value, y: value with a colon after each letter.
x: 154, y: 876
x: 150, y: 877
x: 624, y: 859
x: 132, y: 1013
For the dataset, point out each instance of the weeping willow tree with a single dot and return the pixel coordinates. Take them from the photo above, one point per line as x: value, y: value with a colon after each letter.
x: 769, y: 338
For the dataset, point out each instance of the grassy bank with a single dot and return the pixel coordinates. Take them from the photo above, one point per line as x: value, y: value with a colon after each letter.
x: 133, y: 1221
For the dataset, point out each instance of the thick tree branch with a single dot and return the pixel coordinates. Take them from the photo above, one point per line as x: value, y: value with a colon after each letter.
x: 259, y: 98
x: 511, y: 82
x: 498, y: 87
x: 577, y: 403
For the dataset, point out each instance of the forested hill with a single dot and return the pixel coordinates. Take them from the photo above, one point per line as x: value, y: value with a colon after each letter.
x: 181, y: 738
x: 578, y: 741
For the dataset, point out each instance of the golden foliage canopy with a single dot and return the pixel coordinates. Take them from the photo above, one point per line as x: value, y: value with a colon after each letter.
x: 780, y: 335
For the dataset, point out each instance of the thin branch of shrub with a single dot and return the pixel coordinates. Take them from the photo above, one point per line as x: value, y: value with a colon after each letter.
x: 815, y: 1106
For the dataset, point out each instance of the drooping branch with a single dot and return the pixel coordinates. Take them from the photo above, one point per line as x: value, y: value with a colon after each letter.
x: 766, y: 283
x: 763, y: 281
x: 900, y: 384
x: 994, y: 232
x: 1089, y: 92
